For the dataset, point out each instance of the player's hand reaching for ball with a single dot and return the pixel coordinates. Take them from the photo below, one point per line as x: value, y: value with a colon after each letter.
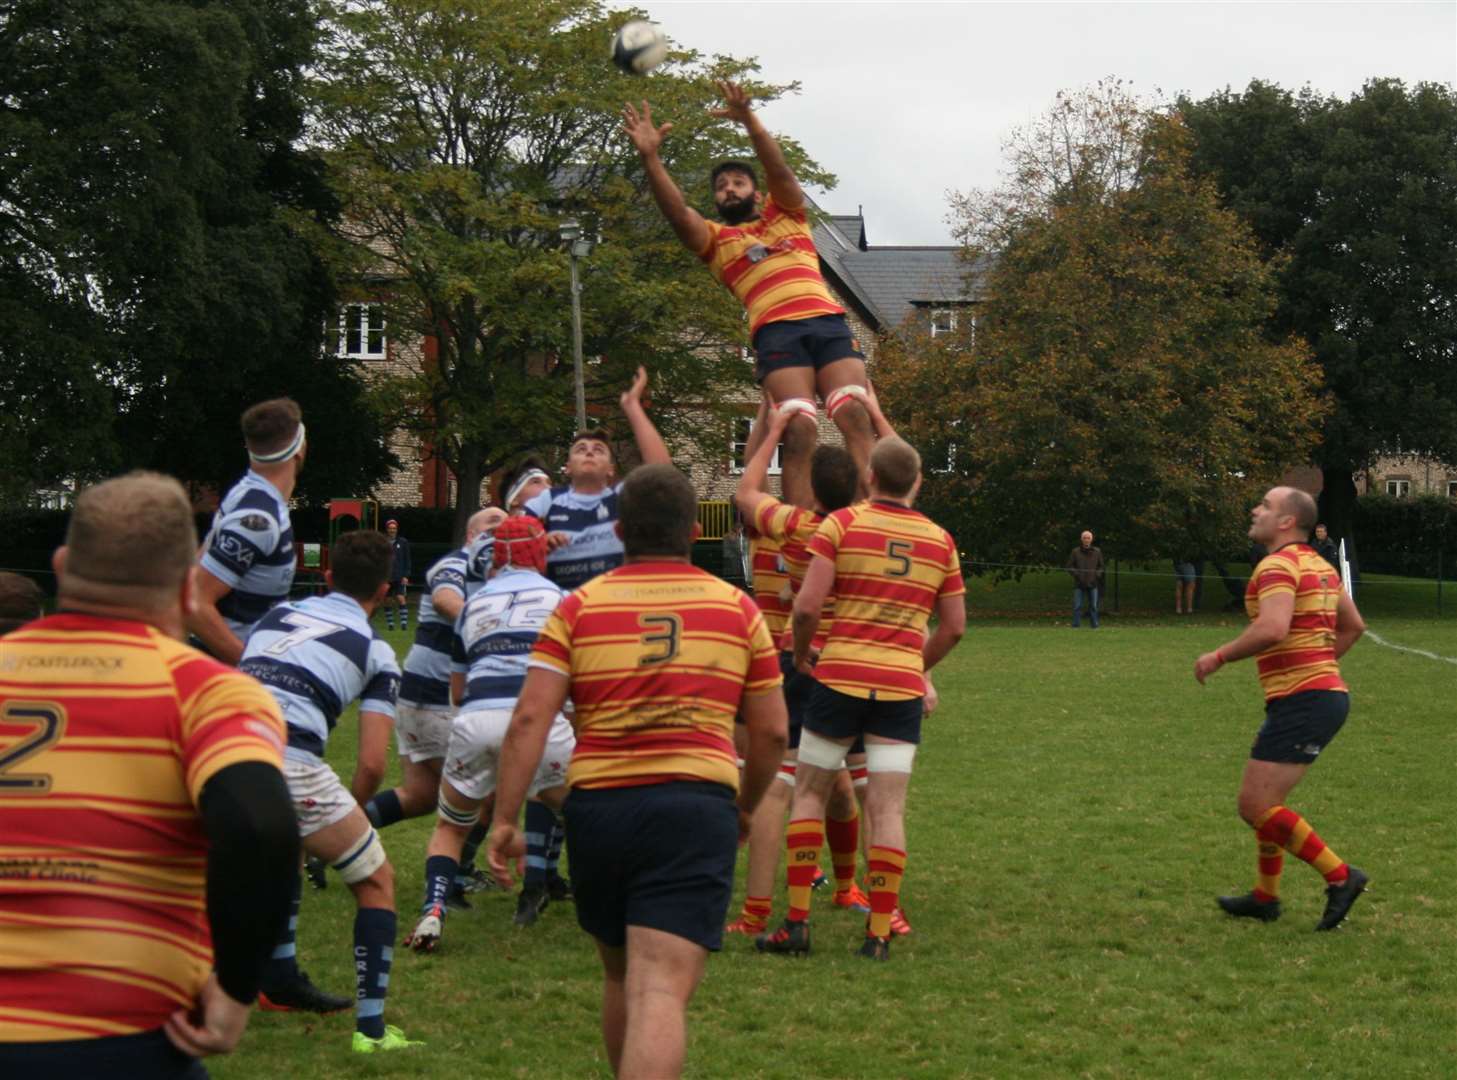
x: 639, y: 127
x: 735, y: 103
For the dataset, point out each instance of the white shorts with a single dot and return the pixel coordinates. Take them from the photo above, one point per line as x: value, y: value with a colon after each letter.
x: 422, y: 732
x: 319, y: 796
x: 475, y: 752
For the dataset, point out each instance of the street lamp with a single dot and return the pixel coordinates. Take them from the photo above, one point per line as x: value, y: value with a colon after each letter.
x: 579, y: 246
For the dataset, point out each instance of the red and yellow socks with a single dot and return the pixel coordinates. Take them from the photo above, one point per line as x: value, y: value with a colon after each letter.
x: 1284, y: 827
x: 802, y: 840
x: 756, y: 911
x: 1271, y: 861
x: 887, y: 867
x: 844, y: 841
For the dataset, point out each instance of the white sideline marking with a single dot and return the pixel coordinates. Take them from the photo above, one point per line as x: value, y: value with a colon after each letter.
x: 1374, y: 636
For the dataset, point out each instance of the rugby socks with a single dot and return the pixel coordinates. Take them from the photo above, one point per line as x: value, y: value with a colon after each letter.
x: 844, y: 840
x: 757, y: 910
x: 473, y: 841
x: 1270, y: 862
x: 802, y: 840
x: 405, y: 613
x: 887, y: 867
x: 384, y: 809
x: 539, y: 823
x: 1283, y: 826
x: 374, y: 951
x: 389, y: 616
x: 440, y: 871
x: 282, y: 965
x: 554, y: 848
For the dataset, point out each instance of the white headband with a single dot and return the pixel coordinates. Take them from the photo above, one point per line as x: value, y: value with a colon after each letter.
x: 281, y: 455
x: 520, y: 485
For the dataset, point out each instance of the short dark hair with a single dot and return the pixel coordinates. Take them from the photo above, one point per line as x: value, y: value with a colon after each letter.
x: 896, y: 466
x: 360, y: 563
x: 521, y: 468
x: 733, y: 165
x: 270, y: 426
x: 658, y: 509
x: 598, y: 434
x: 833, y: 477
x: 20, y: 601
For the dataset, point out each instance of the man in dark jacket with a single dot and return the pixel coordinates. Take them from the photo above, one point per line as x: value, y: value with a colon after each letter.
x: 1085, y: 564
x: 399, y: 577
x: 1326, y: 548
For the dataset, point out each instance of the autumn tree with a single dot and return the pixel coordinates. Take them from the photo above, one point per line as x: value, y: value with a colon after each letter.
x: 152, y: 277
x: 460, y: 137
x: 1116, y: 376
x: 1354, y: 205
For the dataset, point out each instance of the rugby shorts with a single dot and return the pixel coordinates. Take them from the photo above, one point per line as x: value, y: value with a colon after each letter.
x: 814, y: 342
x: 1299, y: 726
x: 319, y: 796
x: 422, y: 732
x: 842, y: 716
x: 474, y: 754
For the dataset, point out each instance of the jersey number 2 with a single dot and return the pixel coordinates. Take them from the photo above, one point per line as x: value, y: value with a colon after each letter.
x: 49, y: 721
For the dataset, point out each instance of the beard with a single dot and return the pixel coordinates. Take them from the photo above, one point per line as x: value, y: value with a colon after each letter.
x: 738, y: 211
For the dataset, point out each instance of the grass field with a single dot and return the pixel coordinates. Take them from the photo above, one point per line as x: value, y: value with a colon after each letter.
x: 1071, y: 819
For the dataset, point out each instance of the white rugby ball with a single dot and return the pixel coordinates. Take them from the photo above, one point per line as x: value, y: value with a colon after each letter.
x: 639, y: 46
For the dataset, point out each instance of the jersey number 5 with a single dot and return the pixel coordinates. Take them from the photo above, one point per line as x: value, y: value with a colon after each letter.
x: 663, y: 634
x: 899, y: 554
x: 49, y: 722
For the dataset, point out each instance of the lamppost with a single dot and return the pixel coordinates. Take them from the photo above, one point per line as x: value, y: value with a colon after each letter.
x: 579, y: 246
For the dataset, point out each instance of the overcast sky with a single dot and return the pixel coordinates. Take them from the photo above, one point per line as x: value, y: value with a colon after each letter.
x: 906, y: 100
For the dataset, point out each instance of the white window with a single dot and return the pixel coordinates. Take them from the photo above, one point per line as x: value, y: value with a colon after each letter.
x: 743, y: 425
x: 361, y: 332
x: 1452, y: 489
x: 943, y: 321
x: 1400, y: 488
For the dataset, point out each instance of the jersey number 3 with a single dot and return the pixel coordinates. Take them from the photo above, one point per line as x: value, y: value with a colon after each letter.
x: 48, y: 722
x: 663, y: 633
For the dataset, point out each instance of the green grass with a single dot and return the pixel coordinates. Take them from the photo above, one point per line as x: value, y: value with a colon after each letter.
x: 1071, y: 818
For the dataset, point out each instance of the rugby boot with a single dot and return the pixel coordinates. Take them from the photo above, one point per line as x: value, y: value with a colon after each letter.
x: 852, y: 897
x: 558, y: 889
x: 530, y: 904
x: 455, y: 898
x: 791, y: 939
x: 899, y: 927
x: 300, y: 994
x: 314, y: 870
x: 821, y: 880
x: 392, y: 1039
x: 1339, y: 898
x: 476, y: 880
x: 1249, y: 906
x: 746, y: 926
x: 875, y: 948
x: 426, y: 935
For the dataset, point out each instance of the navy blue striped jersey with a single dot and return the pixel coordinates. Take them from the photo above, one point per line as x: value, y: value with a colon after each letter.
x: 495, y: 634
x: 315, y: 656
x: 427, y: 664
x: 591, y: 522
x: 250, y: 549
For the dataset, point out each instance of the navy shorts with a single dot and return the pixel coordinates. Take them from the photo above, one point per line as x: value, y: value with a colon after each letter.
x: 841, y: 716
x: 397, y: 587
x: 1297, y: 728
x: 797, y: 690
x: 813, y: 342
x: 149, y: 1054
x: 658, y: 855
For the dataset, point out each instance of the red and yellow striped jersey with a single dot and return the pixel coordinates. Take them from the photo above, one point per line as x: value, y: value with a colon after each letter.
x: 792, y: 526
x: 659, y: 655
x: 108, y: 731
x: 766, y: 563
x: 892, y: 564
x: 1306, y: 658
x: 771, y: 265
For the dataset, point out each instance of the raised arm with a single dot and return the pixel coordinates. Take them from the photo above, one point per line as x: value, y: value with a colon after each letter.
x: 883, y: 428
x: 778, y: 176
x: 769, y: 426
x: 687, y: 222
x: 650, y: 445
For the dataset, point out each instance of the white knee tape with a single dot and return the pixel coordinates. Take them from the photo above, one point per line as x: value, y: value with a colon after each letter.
x: 786, y: 772
x: 361, y: 860
x: 790, y: 406
x: 819, y: 751
x: 840, y: 397
x: 890, y: 757
x: 456, y: 816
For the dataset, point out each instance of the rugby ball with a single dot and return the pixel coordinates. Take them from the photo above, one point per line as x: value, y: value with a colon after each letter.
x: 638, y: 47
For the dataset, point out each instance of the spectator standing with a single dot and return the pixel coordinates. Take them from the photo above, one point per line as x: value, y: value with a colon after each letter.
x: 1186, y: 579
x: 1085, y: 564
x: 1325, y: 547
x: 399, y: 577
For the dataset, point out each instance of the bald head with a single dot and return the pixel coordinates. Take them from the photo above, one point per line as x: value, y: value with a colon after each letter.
x: 896, y: 467
x: 483, y: 521
x: 130, y: 543
x: 1299, y: 505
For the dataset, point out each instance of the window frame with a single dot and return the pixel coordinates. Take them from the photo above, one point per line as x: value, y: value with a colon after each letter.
x: 738, y: 459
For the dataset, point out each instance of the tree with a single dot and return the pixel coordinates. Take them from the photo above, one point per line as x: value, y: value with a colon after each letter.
x: 1355, y: 204
x: 460, y: 136
x: 151, y: 281
x: 1116, y: 377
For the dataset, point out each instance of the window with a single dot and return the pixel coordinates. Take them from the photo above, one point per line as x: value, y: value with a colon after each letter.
x: 361, y: 332
x: 943, y: 321
x: 742, y: 426
x: 1452, y: 489
x: 1400, y: 488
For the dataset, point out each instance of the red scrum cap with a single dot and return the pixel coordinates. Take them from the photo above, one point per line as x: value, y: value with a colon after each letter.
x: 521, y: 542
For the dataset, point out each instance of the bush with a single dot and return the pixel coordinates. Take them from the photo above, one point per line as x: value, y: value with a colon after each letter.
x: 1415, y: 536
